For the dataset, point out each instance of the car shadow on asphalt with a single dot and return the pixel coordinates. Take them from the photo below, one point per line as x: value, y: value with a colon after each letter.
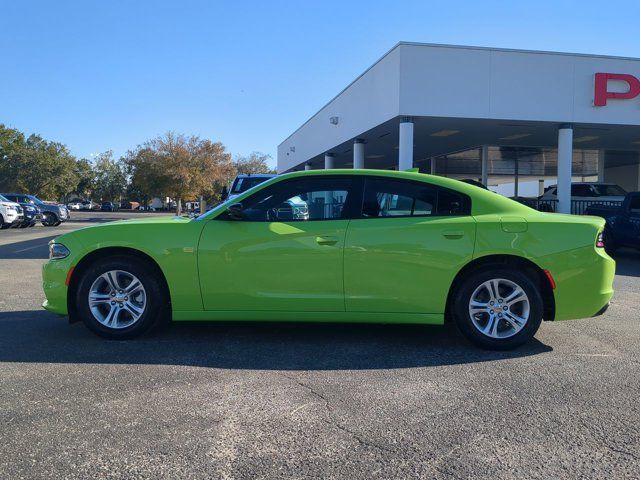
x: 27, y: 249
x: 39, y: 336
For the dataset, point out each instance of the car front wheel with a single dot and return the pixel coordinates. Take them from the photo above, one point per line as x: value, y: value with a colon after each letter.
x: 120, y: 297
x: 498, y: 308
x: 49, y: 219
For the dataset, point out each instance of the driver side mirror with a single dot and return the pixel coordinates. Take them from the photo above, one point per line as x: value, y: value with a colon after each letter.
x: 235, y: 211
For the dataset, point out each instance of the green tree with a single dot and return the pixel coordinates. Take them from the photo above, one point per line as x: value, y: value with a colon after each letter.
x: 12, y: 149
x: 179, y: 166
x: 35, y: 165
x: 86, y: 178
x: 110, y: 178
x: 255, y: 162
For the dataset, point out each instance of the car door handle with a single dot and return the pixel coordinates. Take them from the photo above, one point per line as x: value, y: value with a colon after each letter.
x: 326, y: 240
x: 453, y: 234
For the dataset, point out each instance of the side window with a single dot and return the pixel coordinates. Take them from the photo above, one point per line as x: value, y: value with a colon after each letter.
x: 301, y: 199
x: 634, y: 205
x: 402, y: 198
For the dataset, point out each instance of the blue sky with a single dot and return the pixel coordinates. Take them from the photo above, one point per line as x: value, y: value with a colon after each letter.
x: 109, y: 75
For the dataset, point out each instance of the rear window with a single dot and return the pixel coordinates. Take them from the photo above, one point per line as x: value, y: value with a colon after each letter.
x: 385, y: 197
x: 609, y: 190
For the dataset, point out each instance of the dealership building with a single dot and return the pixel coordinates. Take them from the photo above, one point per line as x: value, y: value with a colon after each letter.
x: 515, y: 120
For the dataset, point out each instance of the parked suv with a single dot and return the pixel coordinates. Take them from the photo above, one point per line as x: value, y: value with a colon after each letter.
x: 244, y: 182
x: 32, y: 213
x: 11, y: 214
x: 53, y: 214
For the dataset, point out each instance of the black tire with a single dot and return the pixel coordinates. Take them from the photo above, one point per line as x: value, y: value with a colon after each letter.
x: 461, y: 304
x: 157, y: 302
x: 57, y: 223
x: 49, y: 219
x: 3, y: 226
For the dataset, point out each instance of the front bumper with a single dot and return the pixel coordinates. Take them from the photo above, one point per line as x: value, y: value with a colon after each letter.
x: 54, y: 277
x: 31, y: 218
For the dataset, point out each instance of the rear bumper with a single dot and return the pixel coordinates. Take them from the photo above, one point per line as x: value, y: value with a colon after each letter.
x: 584, y: 282
x: 602, y: 310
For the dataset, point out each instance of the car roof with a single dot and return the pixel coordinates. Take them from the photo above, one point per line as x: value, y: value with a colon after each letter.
x: 259, y: 175
x: 483, y: 199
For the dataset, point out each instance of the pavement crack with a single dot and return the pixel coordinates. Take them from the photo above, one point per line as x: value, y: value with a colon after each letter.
x: 356, y: 436
x: 623, y: 452
x: 311, y: 390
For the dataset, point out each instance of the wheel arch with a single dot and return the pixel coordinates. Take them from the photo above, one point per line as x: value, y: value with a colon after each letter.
x: 537, y: 274
x: 105, y: 252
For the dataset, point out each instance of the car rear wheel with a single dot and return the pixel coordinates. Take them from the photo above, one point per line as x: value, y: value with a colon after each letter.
x: 498, y: 308
x: 120, y: 297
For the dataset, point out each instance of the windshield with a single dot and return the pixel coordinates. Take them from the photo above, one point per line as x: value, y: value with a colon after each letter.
x: 609, y: 190
x: 3, y: 199
x: 242, y: 184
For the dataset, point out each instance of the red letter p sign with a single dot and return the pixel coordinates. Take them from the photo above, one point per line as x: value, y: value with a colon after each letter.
x: 601, y: 94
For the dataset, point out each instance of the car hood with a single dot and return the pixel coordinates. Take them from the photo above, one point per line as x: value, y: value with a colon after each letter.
x: 125, y: 232
x: 145, y: 221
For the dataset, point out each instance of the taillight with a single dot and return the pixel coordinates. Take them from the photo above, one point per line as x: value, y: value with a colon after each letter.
x: 600, y: 240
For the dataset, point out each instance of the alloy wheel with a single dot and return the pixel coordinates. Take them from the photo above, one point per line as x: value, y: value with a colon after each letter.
x: 117, y: 299
x: 499, y: 308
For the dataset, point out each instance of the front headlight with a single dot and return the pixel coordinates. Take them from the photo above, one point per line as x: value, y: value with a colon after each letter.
x: 58, y: 251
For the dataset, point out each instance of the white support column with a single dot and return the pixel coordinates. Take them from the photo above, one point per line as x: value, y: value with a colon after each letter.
x: 358, y: 153
x: 484, y: 168
x: 601, y: 165
x: 540, y: 187
x: 307, y: 166
x: 328, y: 196
x: 405, y: 147
x: 565, y: 157
x: 328, y: 161
x: 434, y: 163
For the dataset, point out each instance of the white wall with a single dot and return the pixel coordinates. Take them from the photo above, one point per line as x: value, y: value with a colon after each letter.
x: 627, y: 176
x: 464, y: 82
x: 370, y: 100
x: 510, y: 85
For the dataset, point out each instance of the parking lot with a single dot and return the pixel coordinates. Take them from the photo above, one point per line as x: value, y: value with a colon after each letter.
x: 323, y: 401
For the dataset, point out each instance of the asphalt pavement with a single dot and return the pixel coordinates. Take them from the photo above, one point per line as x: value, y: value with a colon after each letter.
x: 310, y: 401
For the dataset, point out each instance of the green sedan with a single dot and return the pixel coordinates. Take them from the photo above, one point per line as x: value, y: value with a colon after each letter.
x: 339, y: 246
